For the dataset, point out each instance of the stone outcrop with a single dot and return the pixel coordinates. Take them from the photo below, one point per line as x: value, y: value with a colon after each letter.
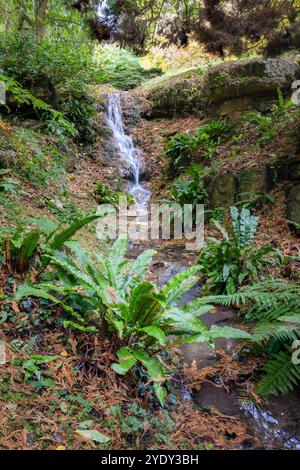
x: 229, y: 89
x: 225, y: 189
x: 293, y: 190
x: 180, y: 94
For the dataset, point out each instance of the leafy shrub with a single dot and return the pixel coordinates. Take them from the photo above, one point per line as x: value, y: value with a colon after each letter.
x: 265, y: 124
x: 62, y: 70
x: 231, y: 261
x: 124, y: 69
x: 58, y: 65
x: 55, y: 120
x: 189, y: 188
x: 275, y: 305
x: 105, y: 195
x: 112, y: 295
x: 181, y: 148
x: 22, y: 247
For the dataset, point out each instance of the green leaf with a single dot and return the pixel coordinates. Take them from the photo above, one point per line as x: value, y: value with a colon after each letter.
x: 27, y: 291
x: 127, y: 361
x: 77, y: 326
x: 152, y: 365
x: 228, y: 332
x: 180, y: 284
x: 62, y: 237
x: 155, y: 332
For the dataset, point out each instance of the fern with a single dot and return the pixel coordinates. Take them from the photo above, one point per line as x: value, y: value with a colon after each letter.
x: 141, y: 318
x: 281, y: 375
x: 275, y: 305
x: 232, y: 261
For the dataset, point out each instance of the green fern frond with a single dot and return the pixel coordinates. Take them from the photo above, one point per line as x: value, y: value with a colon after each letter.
x: 281, y: 377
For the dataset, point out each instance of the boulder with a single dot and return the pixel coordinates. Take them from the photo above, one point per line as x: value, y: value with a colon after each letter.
x: 253, y: 180
x: 180, y: 94
x: 230, y: 88
x: 221, y: 190
x: 253, y: 78
x: 293, y: 203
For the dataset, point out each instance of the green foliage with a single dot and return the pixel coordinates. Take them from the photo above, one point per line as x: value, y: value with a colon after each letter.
x: 124, y: 69
x: 105, y: 195
x: 112, y: 295
x: 233, y: 260
x: 265, y: 127
x: 33, y: 157
x: 265, y: 124
x: 280, y: 110
x: 275, y: 306
x: 22, y: 247
x: 34, y: 373
x: 189, y: 188
x: 55, y: 120
x: 60, y: 71
x: 133, y: 423
x: 181, y: 148
x: 9, y: 185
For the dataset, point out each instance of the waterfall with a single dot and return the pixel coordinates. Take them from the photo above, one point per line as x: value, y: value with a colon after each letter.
x: 126, y: 149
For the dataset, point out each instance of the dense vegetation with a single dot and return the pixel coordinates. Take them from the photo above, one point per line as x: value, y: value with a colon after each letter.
x: 93, y: 330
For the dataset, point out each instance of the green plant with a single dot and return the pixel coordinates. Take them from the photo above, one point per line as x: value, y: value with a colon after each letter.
x: 266, y: 123
x: 265, y: 126
x: 280, y: 110
x: 231, y: 261
x: 275, y: 305
x: 9, y: 185
x: 55, y: 120
x: 23, y: 247
x: 106, y: 195
x: 181, y: 148
x: 124, y: 69
x: 189, y: 188
x: 34, y: 374
x: 111, y: 294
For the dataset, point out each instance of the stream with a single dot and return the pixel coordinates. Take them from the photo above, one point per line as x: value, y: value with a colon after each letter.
x: 275, y: 425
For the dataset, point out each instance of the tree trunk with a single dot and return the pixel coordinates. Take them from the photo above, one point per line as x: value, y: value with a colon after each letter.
x: 41, y: 16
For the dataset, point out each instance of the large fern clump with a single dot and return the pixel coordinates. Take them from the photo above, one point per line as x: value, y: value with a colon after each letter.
x: 233, y: 260
x: 112, y: 296
x: 275, y: 306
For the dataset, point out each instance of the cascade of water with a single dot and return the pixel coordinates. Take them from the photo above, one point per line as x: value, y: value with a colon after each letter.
x: 126, y: 149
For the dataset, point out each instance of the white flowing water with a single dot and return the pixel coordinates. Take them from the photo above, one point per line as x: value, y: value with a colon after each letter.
x: 129, y: 154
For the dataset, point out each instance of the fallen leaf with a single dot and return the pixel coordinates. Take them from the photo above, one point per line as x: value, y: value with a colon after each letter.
x: 93, y: 435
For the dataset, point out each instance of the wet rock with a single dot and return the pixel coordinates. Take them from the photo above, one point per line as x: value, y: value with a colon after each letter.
x: 131, y: 108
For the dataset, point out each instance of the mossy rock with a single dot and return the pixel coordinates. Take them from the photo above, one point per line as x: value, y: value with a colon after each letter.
x: 254, y: 180
x: 177, y: 95
x: 293, y: 204
x: 222, y: 190
x: 252, y: 78
x: 253, y: 83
